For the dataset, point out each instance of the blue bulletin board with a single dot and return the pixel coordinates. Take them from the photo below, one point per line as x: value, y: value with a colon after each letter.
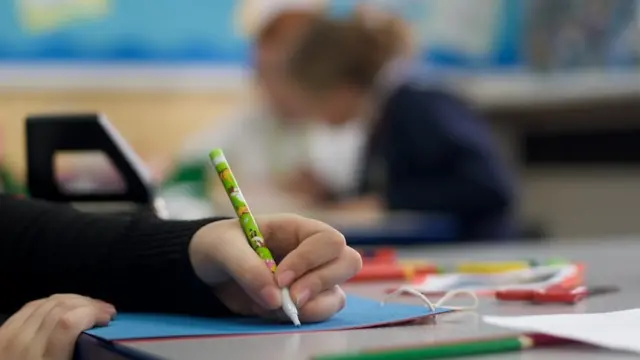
x: 121, y: 30
x: 210, y: 31
x: 212, y: 37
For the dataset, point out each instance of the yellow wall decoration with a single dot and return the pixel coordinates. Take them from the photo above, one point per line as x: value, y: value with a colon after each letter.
x: 38, y: 16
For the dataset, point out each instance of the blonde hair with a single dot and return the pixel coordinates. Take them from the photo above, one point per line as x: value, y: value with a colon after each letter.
x: 347, y: 51
x: 251, y: 16
x: 284, y: 26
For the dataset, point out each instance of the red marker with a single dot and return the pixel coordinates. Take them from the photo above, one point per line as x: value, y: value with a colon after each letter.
x: 528, y: 294
x: 515, y: 295
x: 555, y: 294
x: 573, y: 296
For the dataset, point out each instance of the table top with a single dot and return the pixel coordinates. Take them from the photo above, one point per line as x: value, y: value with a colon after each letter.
x: 609, y: 261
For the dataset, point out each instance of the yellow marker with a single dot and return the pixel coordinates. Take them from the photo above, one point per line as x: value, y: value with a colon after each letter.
x: 467, y: 267
x: 409, y: 272
x: 491, y: 267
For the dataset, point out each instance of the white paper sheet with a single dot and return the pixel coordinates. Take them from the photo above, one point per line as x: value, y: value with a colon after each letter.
x: 614, y: 330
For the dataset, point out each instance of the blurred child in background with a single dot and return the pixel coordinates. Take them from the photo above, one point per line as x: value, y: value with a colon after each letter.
x: 426, y: 150
x: 275, y: 152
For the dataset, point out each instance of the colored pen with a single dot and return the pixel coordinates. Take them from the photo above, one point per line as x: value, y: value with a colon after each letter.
x: 557, y: 294
x: 249, y: 225
x: 453, y: 349
x: 491, y: 267
x: 392, y: 271
x: 572, y: 296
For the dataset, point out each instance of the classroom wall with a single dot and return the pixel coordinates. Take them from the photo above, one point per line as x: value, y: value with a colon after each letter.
x: 599, y: 201
x: 154, y: 123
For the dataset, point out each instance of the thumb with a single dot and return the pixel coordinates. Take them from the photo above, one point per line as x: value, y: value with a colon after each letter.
x: 253, y: 275
x: 241, y: 262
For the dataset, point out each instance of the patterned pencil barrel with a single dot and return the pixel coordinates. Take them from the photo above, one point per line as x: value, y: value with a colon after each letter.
x: 247, y: 221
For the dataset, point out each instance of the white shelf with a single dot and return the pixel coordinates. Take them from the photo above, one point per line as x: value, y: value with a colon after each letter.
x: 531, y: 90
x: 504, y: 90
x: 96, y: 77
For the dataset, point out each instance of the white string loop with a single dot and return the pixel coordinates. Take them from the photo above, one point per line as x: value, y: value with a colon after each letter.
x: 440, y: 303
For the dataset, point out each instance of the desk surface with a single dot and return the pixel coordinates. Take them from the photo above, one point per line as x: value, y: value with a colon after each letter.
x: 612, y: 261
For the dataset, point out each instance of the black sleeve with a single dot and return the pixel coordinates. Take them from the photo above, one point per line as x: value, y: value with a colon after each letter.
x: 137, y: 263
x: 441, y: 158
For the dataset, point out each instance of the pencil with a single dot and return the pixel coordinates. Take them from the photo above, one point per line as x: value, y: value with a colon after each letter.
x: 249, y: 225
x: 449, y: 350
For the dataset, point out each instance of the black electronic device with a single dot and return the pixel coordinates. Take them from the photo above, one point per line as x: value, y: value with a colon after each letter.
x: 50, y: 134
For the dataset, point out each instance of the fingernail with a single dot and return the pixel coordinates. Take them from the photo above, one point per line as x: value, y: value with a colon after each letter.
x: 303, y: 297
x: 271, y: 297
x: 286, y: 278
x: 108, y: 310
x: 108, y: 307
x: 102, y: 303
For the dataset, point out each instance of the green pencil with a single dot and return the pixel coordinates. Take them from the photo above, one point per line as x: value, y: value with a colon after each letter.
x: 449, y: 350
x: 249, y: 225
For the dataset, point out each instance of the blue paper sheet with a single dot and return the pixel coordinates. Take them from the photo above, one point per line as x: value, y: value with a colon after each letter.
x: 358, y: 313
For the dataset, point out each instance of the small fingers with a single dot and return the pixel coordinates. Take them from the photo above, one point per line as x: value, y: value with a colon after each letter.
x: 237, y: 300
x: 323, y: 306
x: 240, y: 262
x: 254, y: 277
x: 44, y: 322
x: 316, y: 250
x: 57, y: 306
x: 14, y: 340
x: 68, y: 326
x: 18, y: 319
x: 326, y: 277
x: 320, y: 308
x: 23, y: 332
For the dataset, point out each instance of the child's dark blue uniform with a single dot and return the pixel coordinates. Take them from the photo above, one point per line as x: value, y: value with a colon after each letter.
x: 428, y: 152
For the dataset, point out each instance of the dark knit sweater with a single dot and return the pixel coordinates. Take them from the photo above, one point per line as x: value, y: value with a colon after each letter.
x: 137, y: 263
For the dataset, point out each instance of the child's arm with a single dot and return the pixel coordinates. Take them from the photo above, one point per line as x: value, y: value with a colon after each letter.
x: 136, y: 263
x: 142, y: 263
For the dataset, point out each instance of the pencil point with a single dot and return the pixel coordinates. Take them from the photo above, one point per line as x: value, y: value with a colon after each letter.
x: 289, y: 307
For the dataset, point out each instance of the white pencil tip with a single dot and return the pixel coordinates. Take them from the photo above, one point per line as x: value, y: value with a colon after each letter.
x: 296, y: 321
x: 289, y: 307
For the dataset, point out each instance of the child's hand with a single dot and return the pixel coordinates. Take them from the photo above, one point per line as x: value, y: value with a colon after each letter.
x: 313, y: 260
x: 48, y: 328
